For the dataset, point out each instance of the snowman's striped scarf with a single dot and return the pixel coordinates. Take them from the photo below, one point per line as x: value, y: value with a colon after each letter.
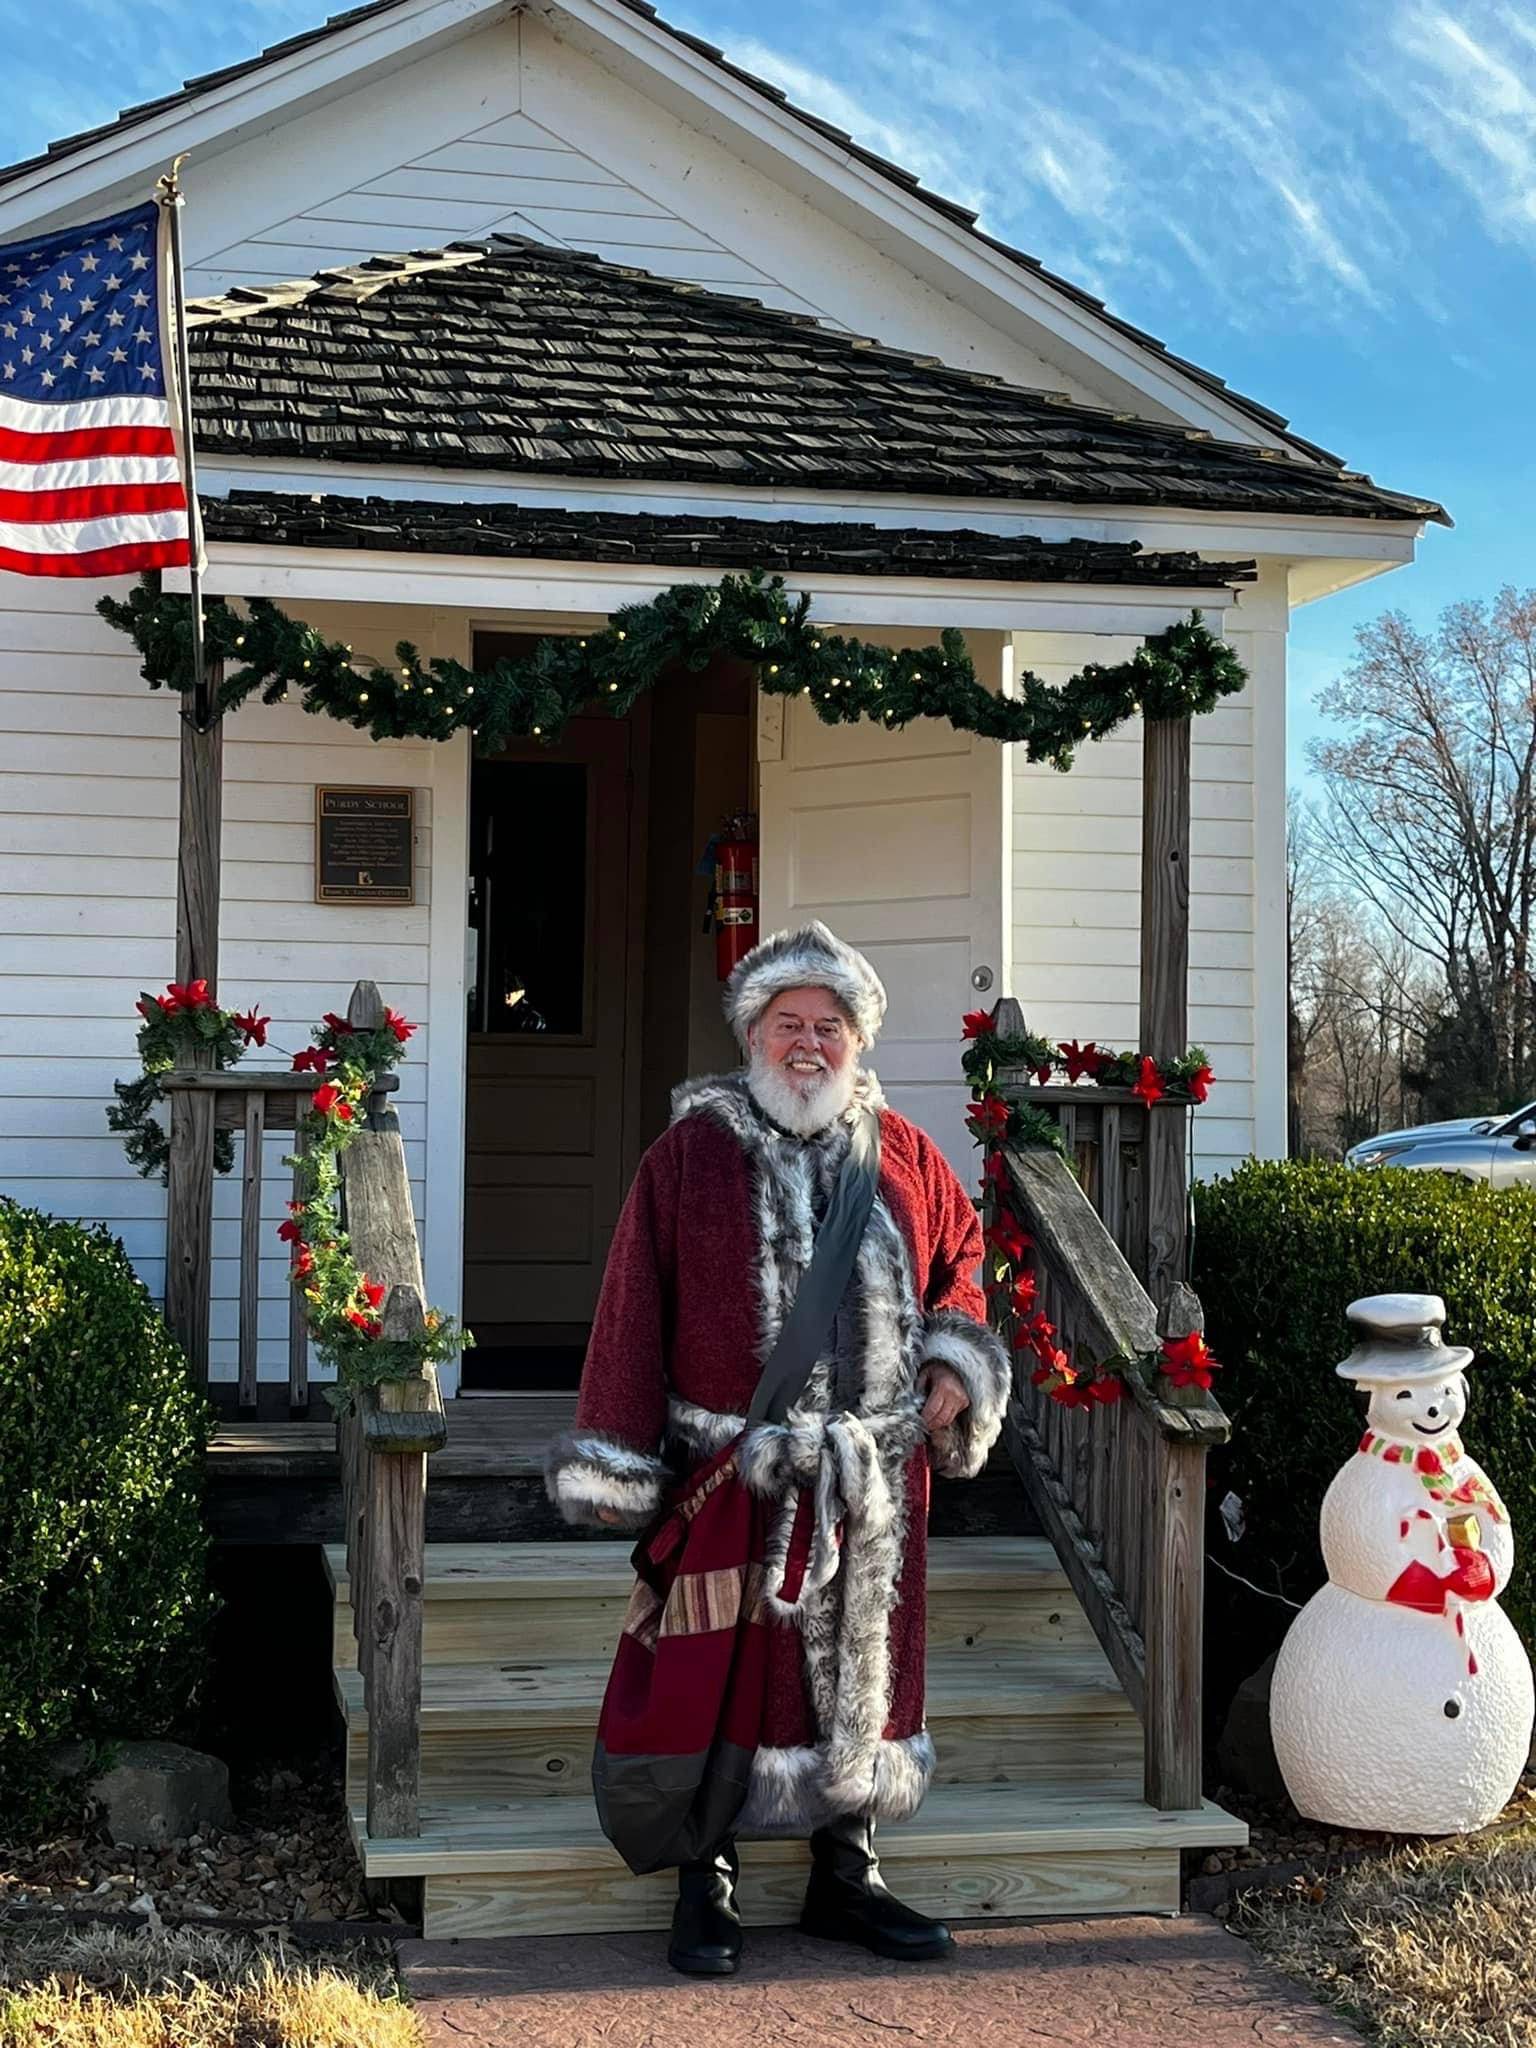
x: 1434, y: 1475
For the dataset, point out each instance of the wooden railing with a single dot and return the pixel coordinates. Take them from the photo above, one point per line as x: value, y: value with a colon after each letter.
x: 249, y: 1101
x: 1119, y: 1489
x: 384, y: 1438
x: 385, y: 1434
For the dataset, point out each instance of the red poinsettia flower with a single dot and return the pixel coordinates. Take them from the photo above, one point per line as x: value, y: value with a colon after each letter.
x: 254, y: 1027
x: 291, y: 1232
x: 329, y: 1100
x: 1026, y: 1290
x: 995, y: 1171
x: 1149, y: 1082
x: 314, y: 1059
x: 185, y: 995
x: 1107, y: 1389
x: 1006, y: 1236
x: 988, y: 1118
x: 303, y: 1262
x: 1200, y: 1083
x: 1045, y: 1075
x: 338, y: 1025
x: 369, y: 1325
x: 372, y: 1291
x: 1081, y: 1060
x: 976, y: 1023
x: 1187, y: 1361
x: 398, y: 1025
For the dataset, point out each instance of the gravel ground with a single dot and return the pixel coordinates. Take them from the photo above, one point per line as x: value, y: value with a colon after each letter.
x: 287, y: 1858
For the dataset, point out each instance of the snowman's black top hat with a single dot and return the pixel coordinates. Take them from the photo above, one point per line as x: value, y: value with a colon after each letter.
x: 1398, y: 1339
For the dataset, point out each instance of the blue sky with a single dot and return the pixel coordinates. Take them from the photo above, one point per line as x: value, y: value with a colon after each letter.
x: 1332, y: 203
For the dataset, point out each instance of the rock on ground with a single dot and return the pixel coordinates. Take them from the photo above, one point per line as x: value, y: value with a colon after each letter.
x: 159, y: 1792
x: 1127, y: 1983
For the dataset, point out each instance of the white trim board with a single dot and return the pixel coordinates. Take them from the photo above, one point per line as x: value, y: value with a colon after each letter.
x: 1351, y: 550
x: 585, y: 591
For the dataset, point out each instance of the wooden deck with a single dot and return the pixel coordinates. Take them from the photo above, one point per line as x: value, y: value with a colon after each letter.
x: 279, y: 1482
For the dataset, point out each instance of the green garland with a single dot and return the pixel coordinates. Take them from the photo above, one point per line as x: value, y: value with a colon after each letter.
x: 1179, y: 1372
x: 1177, y: 673
x: 341, y: 1302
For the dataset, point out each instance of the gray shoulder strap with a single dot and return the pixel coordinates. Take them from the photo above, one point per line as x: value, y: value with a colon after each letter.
x: 816, y: 1300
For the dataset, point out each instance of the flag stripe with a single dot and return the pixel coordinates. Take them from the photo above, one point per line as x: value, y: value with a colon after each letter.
x: 83, y: 443
x: 78, y: 476
x: 89, y: 536
x: 125, y: 560
x: 92, y: 501
x: 33, y: 418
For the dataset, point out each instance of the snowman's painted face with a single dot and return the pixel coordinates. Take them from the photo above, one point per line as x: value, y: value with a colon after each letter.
x: 1421, y: 1411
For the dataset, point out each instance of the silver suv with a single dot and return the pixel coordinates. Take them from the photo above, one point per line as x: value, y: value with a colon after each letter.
x: 1500, y: 1149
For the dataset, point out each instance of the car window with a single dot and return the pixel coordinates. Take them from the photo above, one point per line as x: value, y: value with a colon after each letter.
x: 1511, y: 1125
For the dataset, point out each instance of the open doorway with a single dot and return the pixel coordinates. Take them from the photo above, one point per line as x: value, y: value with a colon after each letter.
x: 594, y: 992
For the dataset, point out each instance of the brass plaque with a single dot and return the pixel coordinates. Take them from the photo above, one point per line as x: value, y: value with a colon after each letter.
x: 365, y: 845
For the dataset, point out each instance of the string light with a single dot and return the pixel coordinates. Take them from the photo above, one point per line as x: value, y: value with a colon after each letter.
x: 1178, y: 672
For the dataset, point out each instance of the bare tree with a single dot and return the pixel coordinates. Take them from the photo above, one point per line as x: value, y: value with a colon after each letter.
x: 1430, y: 810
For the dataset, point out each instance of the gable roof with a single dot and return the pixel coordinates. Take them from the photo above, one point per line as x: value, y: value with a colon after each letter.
x: 511, y: 355
x: 783, y: 546
x: 962, y: 218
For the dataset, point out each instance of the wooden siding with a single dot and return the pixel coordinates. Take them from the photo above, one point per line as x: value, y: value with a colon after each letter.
x: 512, y: 131
x: 88, y: 765
x: 1077, y: 897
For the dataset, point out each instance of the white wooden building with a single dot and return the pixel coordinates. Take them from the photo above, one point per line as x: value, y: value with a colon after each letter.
x: 590, y: 126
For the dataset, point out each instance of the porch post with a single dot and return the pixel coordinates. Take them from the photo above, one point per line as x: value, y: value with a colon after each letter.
x: 1165, y: 989
x: 189, y: 1182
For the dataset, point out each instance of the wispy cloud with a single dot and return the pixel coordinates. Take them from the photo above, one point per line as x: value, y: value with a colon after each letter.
x: 1142, y: 162
x: 1463, y: 84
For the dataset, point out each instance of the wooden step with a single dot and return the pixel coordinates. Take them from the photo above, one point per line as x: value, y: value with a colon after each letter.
x: 524, y: 1729
x: 567, y: 1600
x: 542, y: 1866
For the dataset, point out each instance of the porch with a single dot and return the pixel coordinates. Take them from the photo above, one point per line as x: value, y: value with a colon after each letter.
x: 1066, y: 1678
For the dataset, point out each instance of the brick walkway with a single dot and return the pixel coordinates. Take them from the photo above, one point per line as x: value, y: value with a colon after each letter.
x: 1133, y: 1983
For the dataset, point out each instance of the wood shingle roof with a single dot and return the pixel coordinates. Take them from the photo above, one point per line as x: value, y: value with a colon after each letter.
x: 783, y: 546
x: 514, y: 356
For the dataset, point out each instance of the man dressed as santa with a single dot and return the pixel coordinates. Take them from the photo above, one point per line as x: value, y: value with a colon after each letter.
x: 718, y: 1230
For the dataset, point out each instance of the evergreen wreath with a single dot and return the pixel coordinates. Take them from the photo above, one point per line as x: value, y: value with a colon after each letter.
x: 1012, y: 1286
x: 1176, y: 673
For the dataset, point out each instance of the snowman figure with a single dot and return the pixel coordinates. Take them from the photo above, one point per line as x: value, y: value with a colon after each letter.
x: 1402, y: 1696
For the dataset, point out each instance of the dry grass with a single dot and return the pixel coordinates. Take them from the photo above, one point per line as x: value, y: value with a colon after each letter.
x: 1429, y: 1948
x: 104, y: 1988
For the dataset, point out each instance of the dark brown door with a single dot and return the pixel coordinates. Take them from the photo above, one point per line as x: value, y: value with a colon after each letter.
x: 553, y: 1028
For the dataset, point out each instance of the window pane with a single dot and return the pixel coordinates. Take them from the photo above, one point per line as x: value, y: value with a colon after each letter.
x: 529, y: 830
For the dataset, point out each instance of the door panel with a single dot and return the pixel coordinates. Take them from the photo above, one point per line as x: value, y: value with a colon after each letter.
x: 898, y: 841
x: 545, y: 1151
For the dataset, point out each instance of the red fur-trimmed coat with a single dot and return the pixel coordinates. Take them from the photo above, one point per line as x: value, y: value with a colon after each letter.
x: 717, y: 1230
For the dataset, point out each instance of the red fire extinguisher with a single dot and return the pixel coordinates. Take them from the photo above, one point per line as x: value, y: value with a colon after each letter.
x: 735, y: 893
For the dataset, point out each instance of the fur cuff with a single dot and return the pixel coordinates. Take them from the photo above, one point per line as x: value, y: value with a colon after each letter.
x: 795, y: 1790
x: 587, y: 1469
x: 977, y: 1355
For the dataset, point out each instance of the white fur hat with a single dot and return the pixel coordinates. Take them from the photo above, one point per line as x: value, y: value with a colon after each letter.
x: 812, y: 957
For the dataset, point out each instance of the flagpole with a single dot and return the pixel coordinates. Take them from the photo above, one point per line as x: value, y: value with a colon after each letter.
x: 171, y: 203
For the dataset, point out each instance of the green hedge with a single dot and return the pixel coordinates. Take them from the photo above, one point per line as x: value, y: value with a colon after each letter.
x: 102, y: 1550
x: 1279, y: 1251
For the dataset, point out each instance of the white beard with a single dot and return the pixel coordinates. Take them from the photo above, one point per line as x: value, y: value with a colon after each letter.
x: 796, y: 1106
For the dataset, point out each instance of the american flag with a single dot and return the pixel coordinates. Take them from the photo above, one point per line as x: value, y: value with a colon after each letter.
x: 90, y: 483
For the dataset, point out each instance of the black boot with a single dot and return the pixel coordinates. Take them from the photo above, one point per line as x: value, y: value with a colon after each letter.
x: 846, y: 1899
x: 706, y: 1928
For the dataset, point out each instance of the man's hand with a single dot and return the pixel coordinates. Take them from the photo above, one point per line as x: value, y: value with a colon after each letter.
x: 946, y: 1393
